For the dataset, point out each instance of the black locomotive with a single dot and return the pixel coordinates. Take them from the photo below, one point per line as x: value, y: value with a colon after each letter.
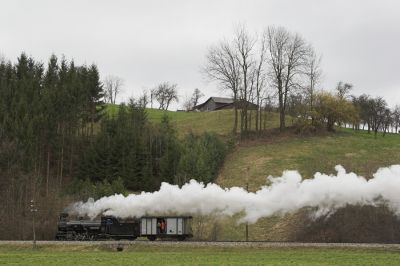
x: 110, y: 227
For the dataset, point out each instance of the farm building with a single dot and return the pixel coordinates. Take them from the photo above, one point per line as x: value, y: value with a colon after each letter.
x: 219, y: 103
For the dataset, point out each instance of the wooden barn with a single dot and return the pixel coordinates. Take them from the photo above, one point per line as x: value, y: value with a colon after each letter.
x: 219, y: 103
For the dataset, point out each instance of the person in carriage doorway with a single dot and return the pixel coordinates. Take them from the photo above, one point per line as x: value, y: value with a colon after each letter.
x: 162, y: 226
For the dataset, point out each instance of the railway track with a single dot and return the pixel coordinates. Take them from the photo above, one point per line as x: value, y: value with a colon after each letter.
x: 255, y: 244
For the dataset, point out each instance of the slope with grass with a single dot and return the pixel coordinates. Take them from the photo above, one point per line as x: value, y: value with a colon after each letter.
x: 358, y: 152
x: 252, y: 161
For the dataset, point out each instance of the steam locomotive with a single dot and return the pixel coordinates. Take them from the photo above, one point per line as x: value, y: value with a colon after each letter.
x: 110, y: 227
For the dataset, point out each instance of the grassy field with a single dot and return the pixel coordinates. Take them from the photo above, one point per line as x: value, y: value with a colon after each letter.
x: 358, y: 152
x: 142, y: 255
x: 219, y: 122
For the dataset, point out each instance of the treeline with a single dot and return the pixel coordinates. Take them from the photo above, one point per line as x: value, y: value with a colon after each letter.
x: 375, y: 115
x: 47, y: 118
x: 58, y: 144
x: 340, y: 108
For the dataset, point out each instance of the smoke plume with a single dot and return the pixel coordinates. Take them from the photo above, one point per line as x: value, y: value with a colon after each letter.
x: 288, y: 193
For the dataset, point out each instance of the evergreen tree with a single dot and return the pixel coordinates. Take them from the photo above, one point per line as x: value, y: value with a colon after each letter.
x: 170, y: 150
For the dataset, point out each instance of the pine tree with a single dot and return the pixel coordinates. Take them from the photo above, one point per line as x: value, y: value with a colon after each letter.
x: 170, y: 151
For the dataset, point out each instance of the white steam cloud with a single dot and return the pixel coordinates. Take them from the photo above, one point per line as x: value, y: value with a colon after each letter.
x: 288, y: 193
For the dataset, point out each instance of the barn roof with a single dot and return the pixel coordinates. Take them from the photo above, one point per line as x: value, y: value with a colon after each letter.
x: 222, y: 100
x: 216, y: 100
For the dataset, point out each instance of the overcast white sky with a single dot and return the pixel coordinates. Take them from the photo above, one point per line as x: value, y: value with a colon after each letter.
x: 147, y: 42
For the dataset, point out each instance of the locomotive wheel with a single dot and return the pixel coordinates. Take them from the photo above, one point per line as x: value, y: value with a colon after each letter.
x: 181, y: 238
x: 151, y: 238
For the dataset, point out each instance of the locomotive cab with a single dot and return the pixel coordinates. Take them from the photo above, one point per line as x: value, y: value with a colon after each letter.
x: 111, y: 227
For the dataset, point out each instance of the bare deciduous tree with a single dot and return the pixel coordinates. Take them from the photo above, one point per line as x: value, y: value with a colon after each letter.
x: 222, y: 66
x: 343, y: 89
x: 190, y: 102
x: 143, y: 99
x: 363, y: 104
x: 244, y: 44
x: 378, y: 113
x: 260, y: 78
x: 197, y: 94
x: 387, y: 121
x: 396, y: 118
x: 165, y: 94
x: 112, y: 87
x: 187, y: 104
x: 313, y: 73
x: 287, y: 57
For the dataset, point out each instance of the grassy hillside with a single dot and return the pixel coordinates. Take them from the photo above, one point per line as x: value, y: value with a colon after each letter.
x: 219, y: 122
x: 359, y: 152
x: 356, y: 151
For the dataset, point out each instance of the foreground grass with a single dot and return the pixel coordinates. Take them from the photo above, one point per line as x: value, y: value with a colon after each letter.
x: 145, y: 255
